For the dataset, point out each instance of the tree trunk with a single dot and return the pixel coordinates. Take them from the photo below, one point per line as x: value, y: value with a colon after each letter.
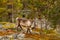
x: 10, y: 17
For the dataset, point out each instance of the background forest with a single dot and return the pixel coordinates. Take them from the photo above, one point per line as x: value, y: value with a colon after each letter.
x: 44, y: 13
x: 48, y: 9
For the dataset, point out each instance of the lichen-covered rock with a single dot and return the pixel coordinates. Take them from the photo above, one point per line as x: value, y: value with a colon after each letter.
x: 21, y: 36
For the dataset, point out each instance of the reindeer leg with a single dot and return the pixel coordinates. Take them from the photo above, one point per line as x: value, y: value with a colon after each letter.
x: 28, y: 30
x: 17, y: 28
x: 20, y: 27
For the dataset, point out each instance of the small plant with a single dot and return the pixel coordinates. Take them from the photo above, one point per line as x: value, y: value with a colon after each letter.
x: 9, y: 25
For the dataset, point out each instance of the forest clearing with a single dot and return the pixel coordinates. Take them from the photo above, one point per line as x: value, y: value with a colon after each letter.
x: 29, y: 19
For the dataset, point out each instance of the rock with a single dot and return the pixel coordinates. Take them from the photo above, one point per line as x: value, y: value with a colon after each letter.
x: 15, y: 36
x: 5, y: 38
x: 10, y: 36
x: 21, y: 36
x: 1, y: 37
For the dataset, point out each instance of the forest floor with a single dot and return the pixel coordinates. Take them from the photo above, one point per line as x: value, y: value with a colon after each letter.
x: 35, y: 35
x: 31, y: 36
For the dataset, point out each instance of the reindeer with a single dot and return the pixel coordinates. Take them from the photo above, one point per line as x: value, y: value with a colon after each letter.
x: 24, y: 22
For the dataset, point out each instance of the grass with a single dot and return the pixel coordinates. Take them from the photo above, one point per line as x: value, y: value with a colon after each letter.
x: 9, y: 25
